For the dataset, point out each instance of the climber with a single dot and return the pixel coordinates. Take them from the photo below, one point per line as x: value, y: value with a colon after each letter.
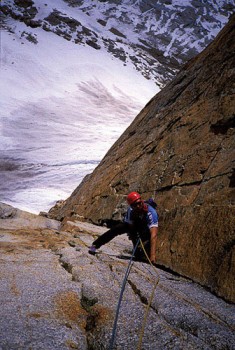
x: 141, y: 220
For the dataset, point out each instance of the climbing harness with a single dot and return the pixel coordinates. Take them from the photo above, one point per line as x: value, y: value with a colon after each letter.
x: 121, y: 295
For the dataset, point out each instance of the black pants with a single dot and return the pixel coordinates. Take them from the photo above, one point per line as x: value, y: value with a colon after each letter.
x: 110, y: 234
x: 132, y: 233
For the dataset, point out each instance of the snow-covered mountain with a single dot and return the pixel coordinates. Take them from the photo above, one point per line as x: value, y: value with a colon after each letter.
x: 73, y: 77
x: 157, y: 37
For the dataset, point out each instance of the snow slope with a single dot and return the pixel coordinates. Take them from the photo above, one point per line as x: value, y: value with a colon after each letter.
x: 62, y: 107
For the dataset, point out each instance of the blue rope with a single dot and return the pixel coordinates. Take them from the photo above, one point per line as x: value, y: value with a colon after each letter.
x: 120, y: 297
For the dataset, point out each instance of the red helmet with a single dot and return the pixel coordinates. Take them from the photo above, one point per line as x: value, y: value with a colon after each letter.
x: 132, y: 197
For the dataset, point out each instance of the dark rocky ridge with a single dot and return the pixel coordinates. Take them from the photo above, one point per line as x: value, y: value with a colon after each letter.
x: 180, y: 148
x: 167, y: 35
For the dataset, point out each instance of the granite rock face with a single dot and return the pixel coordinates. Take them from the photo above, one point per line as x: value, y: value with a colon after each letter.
x: 56, y: 296
x: 180, y: 150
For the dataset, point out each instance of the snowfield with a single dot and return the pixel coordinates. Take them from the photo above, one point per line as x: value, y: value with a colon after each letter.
x: 62, y: 107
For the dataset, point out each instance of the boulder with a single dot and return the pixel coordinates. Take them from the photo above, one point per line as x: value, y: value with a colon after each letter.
x: 11, y: 218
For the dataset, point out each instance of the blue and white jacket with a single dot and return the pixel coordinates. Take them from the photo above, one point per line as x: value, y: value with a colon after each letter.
x: 148, y: 217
